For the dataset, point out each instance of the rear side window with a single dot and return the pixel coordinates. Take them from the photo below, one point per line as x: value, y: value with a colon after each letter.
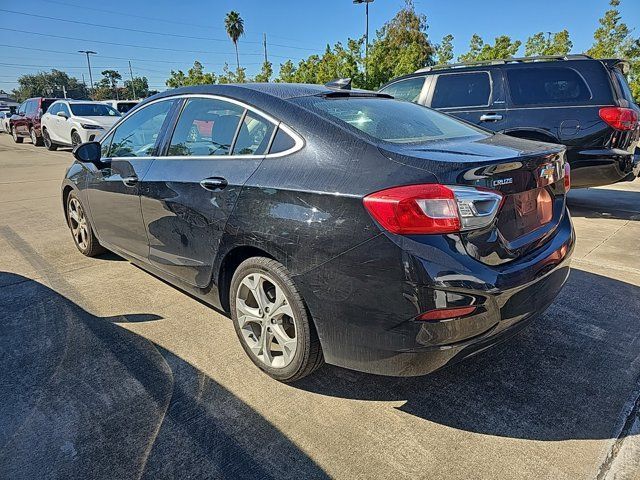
x: 408, y: 90
x: 624, y: 86
x: 551, y: 85
x: 253, y: 136
x: 462, y: 90
x: 46, y: 103
x: 282, y: 142
x: 31, y: 107
x: 206, y: 127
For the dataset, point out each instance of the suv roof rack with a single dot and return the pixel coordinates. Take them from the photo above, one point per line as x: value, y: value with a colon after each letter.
x: 502, y: 61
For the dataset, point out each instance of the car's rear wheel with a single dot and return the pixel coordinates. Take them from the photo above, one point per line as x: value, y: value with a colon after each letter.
x: 35, y: 139
x: 272, y: 321
x: 47, y: 140
x: 81, y: 228
x: 75, y: 139
x: 14, y: 134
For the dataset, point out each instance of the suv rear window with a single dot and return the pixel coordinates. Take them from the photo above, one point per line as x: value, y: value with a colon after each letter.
x: 408, y: 89
x: 462, y: 90
x: 390, y: 120
x: 624, y: 86
x: 550, y: 85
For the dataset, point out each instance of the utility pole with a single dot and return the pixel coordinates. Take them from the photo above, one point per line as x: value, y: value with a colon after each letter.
x: 133, y: 86
x: 87, y: 53
x: 366, y: 35
x: 264, y: 39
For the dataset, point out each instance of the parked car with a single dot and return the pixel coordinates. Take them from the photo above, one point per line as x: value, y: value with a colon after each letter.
x: 26, y: 121
x: 575, y: 100
x: 72, y: 122
x: 4, y: 121
x: 122, y: 106
x: 331, y: 224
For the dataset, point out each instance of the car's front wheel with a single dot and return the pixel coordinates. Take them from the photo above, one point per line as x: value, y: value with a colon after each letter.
x: 35, y: 139
x: 81, y: 228
x: 75, y: 139
x: 272, y: 321
x: 47, y: 140
x: 14, y: 134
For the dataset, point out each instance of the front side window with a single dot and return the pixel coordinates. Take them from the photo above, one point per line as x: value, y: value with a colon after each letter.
x: 93, y: 110
x: 105, y: 144
x: 53, y: 109
x: 64, y: 109
x: 136, y: 136
x: 546, y: 85
x: 31, y: 107
x: 390, y: 120
x: 408, y: 90
x: 462, y: 90
x: 206, y: 127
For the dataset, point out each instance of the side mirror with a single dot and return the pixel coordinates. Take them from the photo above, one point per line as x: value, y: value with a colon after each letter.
x: 62, y: 114
x: 88, y: 152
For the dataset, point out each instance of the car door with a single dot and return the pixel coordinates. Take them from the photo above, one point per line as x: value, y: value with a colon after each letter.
x: 20, y: 119
x: 477, y: 97
x: 113, y: 190
x: 30, y: 114
x: 188, y: 195
x: 51, y: 121
x: 64, y: 124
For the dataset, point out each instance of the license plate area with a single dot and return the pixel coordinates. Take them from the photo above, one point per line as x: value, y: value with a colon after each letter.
x: 525, y: 212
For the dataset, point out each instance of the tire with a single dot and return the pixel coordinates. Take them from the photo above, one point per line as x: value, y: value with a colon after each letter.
x: 260, y: 333
x: 35, y: 139
x: 16, y: 137
x: 81, y: 229
x: 47, y: 141
x: 75, y: 139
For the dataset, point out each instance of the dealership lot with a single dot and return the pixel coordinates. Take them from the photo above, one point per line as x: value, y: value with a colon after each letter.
x: 111, y: 372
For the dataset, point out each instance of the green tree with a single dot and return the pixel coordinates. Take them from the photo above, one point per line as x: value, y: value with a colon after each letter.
x: 139, y: 86
x: 195, y: 76
x: 444, y: 51
x: 542, y: 44
x: 235, y: 29
x: 266, y: 73
x: 613, y: 40
x: 49, y: 84
x: 228, y: 76
x: 401, y: 46
x: 503, y: 47
x: 287, y: 72
x: 110, y: 81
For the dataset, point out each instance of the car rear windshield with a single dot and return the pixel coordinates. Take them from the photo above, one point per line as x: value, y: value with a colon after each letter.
x: 390, y: 120
x: 546, y: 85
x: 93, y: 110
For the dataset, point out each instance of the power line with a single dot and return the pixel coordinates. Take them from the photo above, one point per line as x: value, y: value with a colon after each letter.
x: 135, y: 30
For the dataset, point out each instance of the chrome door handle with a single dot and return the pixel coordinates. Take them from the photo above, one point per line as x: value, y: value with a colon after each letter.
x: 130, y: 181
x: 490, y: 117
x: 213, y: 183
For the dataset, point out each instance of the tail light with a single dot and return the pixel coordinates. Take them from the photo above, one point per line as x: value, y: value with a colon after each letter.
x: 567, y: 177
x: 446, y: 313
x: 433, y: 208
x: 619, y: 118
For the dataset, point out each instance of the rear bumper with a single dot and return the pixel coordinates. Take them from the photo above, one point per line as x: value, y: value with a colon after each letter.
x: 365, y: 301
x: 597, y: 167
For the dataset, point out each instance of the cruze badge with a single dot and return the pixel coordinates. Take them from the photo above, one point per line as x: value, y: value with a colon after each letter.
x: 502, y: 181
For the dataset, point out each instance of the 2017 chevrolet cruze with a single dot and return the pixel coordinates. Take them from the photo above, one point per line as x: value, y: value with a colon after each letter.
x: 333, y: 225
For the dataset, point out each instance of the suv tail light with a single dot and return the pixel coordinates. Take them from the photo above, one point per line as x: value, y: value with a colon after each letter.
x: 619, y: 118
x: 433, y: 208
x: 567, y: 177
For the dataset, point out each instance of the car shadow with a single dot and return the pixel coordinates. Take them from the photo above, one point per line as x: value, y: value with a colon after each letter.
x: 604, y: 203
x: 84, y: 397
x: 568, y: 376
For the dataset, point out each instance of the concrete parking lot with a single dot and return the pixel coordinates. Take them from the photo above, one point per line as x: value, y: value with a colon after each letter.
x: 108, y: 372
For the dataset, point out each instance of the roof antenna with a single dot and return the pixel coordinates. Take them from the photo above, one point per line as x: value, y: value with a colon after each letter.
x: 340, y: 84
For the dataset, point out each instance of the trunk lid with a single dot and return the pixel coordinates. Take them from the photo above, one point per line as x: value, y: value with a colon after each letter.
x: 529, y: 175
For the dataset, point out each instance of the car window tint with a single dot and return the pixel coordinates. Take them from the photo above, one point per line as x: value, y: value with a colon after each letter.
x: 408, y: 90
x: 390, y: 120
x: 93, y: 110
x: 31, y: 107
x: 624, y: 86
x: 254, y: 135
x: 550, y: 85
x: 136, y: 136
x: 105, y: 144
x: 462, y: 90
x: 65, y: 109
x: 53, y: 109
x: 206, y: 127
x: 282, y: 142
x: 124, y: 107
x: 46, y: 104
x: 22, y: 108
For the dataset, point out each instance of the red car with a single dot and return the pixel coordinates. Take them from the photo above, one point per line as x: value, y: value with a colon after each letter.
x: 26, y: 121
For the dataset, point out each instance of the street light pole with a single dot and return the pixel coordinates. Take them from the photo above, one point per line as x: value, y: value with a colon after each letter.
x: 366, y: 35
x: 87, y: 53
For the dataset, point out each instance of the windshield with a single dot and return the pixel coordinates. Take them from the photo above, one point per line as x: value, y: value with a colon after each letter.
x: 390, y: 120
x: 93, y: 110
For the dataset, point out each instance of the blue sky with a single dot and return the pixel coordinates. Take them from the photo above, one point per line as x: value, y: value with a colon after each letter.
x: 295, y: 29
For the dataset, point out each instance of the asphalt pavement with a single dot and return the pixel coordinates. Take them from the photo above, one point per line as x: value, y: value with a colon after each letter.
x: 109, y: 373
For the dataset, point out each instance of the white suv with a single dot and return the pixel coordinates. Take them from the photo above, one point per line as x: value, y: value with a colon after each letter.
x: 72, y: 122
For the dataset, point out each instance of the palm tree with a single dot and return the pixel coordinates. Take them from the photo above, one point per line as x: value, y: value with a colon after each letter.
x: 235, y: 29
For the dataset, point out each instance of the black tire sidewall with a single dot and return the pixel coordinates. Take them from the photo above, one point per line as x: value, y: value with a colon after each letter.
x: 93, y: 247
x: 301, y: 317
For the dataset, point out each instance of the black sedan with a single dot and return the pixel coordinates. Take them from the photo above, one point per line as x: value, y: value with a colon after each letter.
x: 332, y: 225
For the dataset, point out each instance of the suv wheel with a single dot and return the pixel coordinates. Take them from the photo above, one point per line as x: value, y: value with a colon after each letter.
x: 272, y: 321
x: 15, y: 136
x: 81, y: 228
x: 75, y: 139
x: 35, y: 139
x: 47, y: 140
